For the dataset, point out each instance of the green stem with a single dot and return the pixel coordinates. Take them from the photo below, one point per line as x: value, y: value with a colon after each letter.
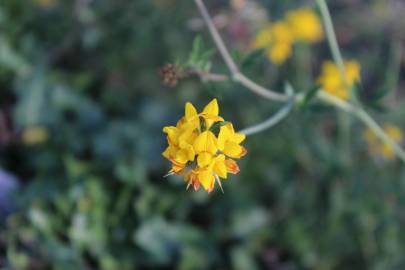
x: 363, y: 116
x: 331, y: 36
x: 272, y: 121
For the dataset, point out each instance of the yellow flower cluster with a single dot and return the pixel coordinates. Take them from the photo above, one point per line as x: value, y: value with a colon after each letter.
x: 332, y: 81
x: 302, y: 25
x: 377, y: 147
x: 199, y: 154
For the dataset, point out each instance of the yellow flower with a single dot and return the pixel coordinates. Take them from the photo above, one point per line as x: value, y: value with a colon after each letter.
x: 263, y: 38
x: 333, y: 83
x: 277, y: 40
x: 197, y: 153
x: 305, y: 25
x: 34, y: 135
x: 377, y: 147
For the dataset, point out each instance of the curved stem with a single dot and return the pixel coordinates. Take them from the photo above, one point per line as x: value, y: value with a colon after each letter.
x: 272, y: 121
x: 331, y: 36
x: 363, y: 116
x: 236, y: 74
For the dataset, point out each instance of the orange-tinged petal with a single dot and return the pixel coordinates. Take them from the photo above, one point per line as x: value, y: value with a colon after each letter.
x: 204, y: 159
x: 233, y: 149
x: 190, y: 111
x: 232, y: 166
x: 205, y: 142
x: 220, y: 167
x: 211, y: 108
x: 207, y: 180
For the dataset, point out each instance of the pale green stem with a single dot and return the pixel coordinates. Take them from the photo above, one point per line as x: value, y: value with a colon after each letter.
x: 363, y: 116
x: 331, y: 36
x: 272, y: 121
x: 230, y: 63
x: 322, y: 95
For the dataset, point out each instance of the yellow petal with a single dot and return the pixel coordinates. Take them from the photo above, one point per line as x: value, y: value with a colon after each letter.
x: 220, y: 167
x: 223, y: 136
x: 181, y: 156
x: 172, y: 133
x: 204, y: 159
x: 211, y: 108
x: 205, y: 142
x: 233, y: 149
x: 207, y: 180
x: 190, y: 111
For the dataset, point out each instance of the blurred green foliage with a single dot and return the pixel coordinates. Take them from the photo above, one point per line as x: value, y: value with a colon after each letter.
x: 92, y: 195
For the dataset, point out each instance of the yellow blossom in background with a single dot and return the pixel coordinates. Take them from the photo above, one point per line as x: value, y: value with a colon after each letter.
x: 263, y: 38
x: 202, y: 147
x: 34, y: 135
x: 379, y: 148
x: 305, y: 25
x: 278, y: 38
x: 332, y: 82
x: 281, y: 45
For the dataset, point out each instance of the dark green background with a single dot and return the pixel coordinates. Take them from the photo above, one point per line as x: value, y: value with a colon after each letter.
x: 92, y: 196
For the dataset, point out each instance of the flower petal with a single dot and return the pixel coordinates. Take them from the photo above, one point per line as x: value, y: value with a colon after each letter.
x: 211, y: 108
x: 220, y: 167
x: 232, y: 166
x: 204, y: 159
x: 233, y: 149
x: 205, y: 142
x: 207, y: 180
x: 190, y: 111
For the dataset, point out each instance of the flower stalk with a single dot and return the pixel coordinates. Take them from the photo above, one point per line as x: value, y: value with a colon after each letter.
x: 264, y: 92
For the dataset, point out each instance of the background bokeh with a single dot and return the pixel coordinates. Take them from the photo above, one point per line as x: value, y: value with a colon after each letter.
x: 82, y: 108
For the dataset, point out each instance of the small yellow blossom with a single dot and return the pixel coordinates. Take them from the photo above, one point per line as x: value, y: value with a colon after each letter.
x: 263, y: 38
x: 201, y: 147
x: 34, y: 135
x: 381, y: 149
x: 277, y: 40
x: 305, y: 25
x: 332, y: 82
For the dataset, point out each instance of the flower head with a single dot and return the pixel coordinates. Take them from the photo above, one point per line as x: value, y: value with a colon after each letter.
x: 381, y: 149
x: 202, y: 147
x: 277, y: 40
x: 332, y: 81
x: 305, y: 25
x: 279, y: 37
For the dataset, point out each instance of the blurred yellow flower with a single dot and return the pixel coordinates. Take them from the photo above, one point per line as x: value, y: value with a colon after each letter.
x: 197, y: 153
x: 333, y: 83
x: 34, y: 135
x: 263, y: 38
x: 377, y: 147
x: 305, y: 25
x: 277, y: 39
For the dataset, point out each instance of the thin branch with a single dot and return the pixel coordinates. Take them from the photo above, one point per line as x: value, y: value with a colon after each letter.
x: 331, y: 37
x: 237, y: 76
x: 214, y: 77
x: 272, y: 121
x: 363, y: 116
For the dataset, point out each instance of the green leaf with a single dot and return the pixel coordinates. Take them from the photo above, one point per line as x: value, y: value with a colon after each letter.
x: 309, y: 96
x: 252, y: 59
